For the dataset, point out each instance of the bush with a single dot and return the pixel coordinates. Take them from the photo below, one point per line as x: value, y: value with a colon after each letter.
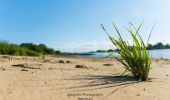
x: 33, y: 53
x: 135, y: 60
x: 38, y: 48
x: 25, y: 49
x: 13, y: 49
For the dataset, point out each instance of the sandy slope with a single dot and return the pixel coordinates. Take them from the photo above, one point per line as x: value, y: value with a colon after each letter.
x: 47, y: 79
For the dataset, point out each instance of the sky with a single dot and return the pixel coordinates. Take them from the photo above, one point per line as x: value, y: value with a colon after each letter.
x: 74, y: 25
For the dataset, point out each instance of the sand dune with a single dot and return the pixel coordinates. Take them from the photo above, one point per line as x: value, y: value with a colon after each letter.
x: 58, y: 78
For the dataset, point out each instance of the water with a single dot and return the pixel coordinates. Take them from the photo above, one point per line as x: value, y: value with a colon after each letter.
x: 163, y: 53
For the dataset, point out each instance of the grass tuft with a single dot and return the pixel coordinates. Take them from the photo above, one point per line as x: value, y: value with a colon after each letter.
x: 135, y: 58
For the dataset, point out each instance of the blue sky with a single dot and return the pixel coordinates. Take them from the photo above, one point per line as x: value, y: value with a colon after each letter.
x: 74, y: 25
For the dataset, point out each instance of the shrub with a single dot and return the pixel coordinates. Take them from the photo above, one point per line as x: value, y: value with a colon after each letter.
x: 26, y: 49
x: 33, y: 53
x: 13, y: 49
x: 134, y: 58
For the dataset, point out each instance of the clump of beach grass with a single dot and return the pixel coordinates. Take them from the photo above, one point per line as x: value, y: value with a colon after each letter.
x: 135, y: 57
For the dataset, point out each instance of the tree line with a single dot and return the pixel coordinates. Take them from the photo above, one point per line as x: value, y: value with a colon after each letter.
x: 26, y: 49
x: 159, y: 45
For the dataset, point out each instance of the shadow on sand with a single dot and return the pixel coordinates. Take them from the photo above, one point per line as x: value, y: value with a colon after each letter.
x: 102, y: 82
x: 94, y: 82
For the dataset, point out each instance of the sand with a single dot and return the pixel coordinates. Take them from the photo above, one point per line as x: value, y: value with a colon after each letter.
x: 51, y: 78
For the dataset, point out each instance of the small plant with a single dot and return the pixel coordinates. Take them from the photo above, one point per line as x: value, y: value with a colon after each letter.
x: 135, y: 57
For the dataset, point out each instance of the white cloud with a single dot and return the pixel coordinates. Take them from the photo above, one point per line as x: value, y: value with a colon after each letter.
x: 83, y: 47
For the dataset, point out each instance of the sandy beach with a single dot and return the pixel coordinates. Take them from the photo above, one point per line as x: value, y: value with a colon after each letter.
x: 78, y: 78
